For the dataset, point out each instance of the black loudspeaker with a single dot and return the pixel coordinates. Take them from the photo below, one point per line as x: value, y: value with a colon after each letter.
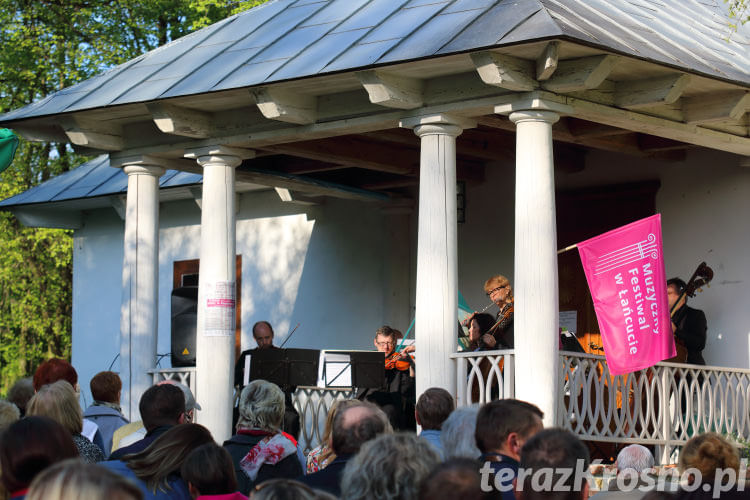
x: 184, y: 325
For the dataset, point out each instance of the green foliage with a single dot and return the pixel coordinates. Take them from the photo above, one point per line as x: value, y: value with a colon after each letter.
x: 738, y: 12
x: 47, y: 45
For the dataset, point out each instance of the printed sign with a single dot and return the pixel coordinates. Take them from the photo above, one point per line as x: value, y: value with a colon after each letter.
x: 220, y: 309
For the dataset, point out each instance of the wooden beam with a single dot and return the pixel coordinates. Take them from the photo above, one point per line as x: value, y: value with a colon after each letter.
x: 354, y: 152
x: 653, y: 144
x: 286, y: 106
x: 650, y: 91
x: 585, y: 129
x: 504, y: 71
x: 177, y: 120
x: 547, y: 62
x: 580, y: 74
x: 716, y: 107
x: 93, y: 134
x: 41, y: 133
x: 391, y: 184
x: 392, y: 91
x: 289, y: 196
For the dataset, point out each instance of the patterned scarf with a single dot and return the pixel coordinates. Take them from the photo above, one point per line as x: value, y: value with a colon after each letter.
x: 272, y: 449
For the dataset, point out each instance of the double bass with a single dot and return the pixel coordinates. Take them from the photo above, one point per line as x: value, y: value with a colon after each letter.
x: 702, y: 276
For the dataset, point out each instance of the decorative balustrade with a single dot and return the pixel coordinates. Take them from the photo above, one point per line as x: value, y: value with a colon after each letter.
x: 185, y: 375
x: 663, y: 405
x: 484, y: 376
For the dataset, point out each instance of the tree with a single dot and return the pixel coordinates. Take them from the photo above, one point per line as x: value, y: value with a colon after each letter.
x: 738, y: 12
x: 48, y: 45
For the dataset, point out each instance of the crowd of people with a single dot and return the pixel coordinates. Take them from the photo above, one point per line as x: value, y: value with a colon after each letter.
x: 50, y: 448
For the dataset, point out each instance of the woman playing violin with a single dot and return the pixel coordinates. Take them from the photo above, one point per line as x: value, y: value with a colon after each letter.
x: 499, y: 291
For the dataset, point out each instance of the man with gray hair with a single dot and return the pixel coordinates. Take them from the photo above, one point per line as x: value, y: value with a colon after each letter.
x: 457, y: 433
x: 632, y: 463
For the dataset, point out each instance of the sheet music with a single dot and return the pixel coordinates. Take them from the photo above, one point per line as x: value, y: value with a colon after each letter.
x: 335, y: 369
x: 246, y: 374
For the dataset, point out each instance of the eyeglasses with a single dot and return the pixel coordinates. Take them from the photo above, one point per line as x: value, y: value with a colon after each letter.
x: 385, y: 344
x: 188, y: 416
x: 496, y: 290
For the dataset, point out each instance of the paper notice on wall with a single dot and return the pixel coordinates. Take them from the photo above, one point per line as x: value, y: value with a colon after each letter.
x: 220, y: 309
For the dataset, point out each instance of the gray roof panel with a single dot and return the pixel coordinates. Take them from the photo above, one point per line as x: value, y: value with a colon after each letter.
x: 492, y: 26
x: 289, y: 39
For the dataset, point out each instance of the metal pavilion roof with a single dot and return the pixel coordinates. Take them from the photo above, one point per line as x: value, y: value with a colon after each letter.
x: 92, y: 179
x: 293, y: 39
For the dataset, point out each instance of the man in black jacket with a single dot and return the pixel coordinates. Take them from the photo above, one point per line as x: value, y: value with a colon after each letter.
x: 688, y: 324
x: 352, y: 427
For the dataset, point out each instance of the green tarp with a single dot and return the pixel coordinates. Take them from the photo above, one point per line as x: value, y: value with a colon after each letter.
x: 8, y: 145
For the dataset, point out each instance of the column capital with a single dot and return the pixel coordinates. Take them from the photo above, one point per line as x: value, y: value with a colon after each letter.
x: 533, y: 101
x: 219, y: 154
x: 534, y: 115
x: 437, y: 123
x: 140, y: 165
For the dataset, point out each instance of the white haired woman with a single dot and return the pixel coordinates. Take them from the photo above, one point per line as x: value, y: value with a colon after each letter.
x: 260, y: 450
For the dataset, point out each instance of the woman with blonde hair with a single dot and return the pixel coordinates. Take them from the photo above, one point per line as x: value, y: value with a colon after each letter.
x: 322, y: 455
x: 260, y: 450
x: 156, y: 470
x: 72, y: 480
x: 59, y: 402
x: 706, y: 458
x: 499, y: 291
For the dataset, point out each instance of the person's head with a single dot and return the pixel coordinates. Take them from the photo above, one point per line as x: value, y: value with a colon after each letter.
x: 9, y: 413
x: 498, y: 289
x: 53, y: 370
x: 263, y: 334
x: 557, y: 450
x: 287, y: 489
x: 504, y: 425
x: 455, y: 479
x: 20, y: 393
x: 675, y: 287
x: 457, y: 433
x: 261, y: 406
x: 356, y: 424
x: 106, y: 387
x: 166, y: 454
x: 634, y: 457
x: 208, y: 470
x: 389, y: 466
x: 29, y: 446
x: 74, y: 480
x: 162, y: 405
x: 707, y: 453
x: 190, y: 404
x: 385, y: 339
x: 59, y: 402
x: 433, y: 407
x: 337, y: 406
x: 479, y: 325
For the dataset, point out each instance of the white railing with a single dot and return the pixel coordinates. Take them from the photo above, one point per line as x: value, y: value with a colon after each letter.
x: 313, y: 404
x: 484, y: 376
x: 664, y: 405
x: 185, y: 375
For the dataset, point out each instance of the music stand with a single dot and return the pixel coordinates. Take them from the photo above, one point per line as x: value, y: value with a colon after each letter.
x: 285, y: 367
x: 364, y: 369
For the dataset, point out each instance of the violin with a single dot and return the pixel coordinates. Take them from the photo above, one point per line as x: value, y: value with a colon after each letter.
x: 394, y: 361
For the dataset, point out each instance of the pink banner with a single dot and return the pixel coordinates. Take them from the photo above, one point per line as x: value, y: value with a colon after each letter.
x: 625, y: 271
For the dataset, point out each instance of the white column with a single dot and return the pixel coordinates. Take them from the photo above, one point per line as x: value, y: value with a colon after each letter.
x: 535, y: 288
x: 140, y: 283
x: 436, y: 323
x: 216, y: 289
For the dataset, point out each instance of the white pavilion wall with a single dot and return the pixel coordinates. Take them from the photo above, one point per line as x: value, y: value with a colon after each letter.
x: 325, y: 267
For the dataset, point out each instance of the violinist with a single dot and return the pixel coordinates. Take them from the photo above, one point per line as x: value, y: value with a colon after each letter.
x: 499, y: 291
x: 398, y: 394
